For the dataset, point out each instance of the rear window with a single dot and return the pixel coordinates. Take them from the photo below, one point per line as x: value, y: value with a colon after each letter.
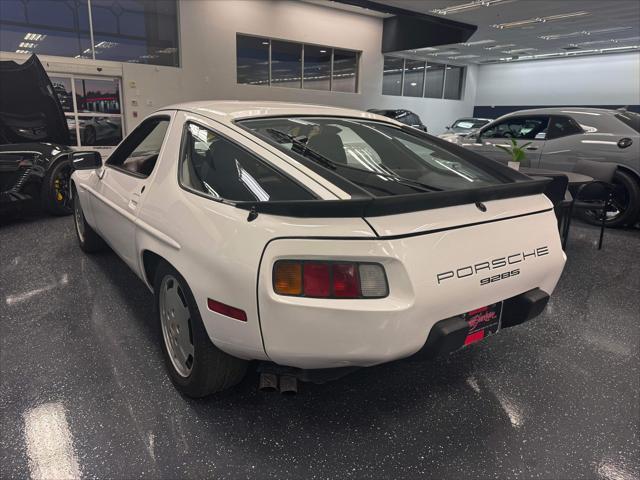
x: 630, y: 119
x: 380, y: 158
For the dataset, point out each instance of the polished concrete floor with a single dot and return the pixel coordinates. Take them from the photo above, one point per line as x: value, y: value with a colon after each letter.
x: 83, y: 392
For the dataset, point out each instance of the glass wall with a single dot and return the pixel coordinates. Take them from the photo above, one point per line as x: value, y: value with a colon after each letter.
x: 317, y: 67
x: 392, y: 76
x: 286, y: 64
x: 435, y: 80
x: 280, y: 63
x: 418, y: 78
x: 413, y: 78
x: 138, y: 31
x: 92, y: 107
x: 453, y: 82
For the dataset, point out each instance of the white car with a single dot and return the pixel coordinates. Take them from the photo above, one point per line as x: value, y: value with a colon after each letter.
x: 314, y: 237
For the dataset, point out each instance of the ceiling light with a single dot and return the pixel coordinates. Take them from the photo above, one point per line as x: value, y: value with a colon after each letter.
x: 27, y: 45
x: 265, y: 43
x: 529, y: 21
x: 463, y: 56
x: 478, y: 42
x: 463, y: 7
x: 609, y: 30
x: 504, y: 45
x: 593, y: 42
x: 323, y: 51
x: 34, y: 37
x: 428, y: 49
x: 106, y: 44
x: 22, y: 51
x: 447, y: 52
x: 614, y: 49
x: 520, y: 50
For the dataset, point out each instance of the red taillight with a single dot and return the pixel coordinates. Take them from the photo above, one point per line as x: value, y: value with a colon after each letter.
x: 329, y: 279
x: 227, y: 310
x: 345, y: 280
x: 317, y: 280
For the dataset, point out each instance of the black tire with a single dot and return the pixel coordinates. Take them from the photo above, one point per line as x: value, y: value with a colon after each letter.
x: 88, y: 239
x: 627, y: 202
x: 212, y: 370
x: 55, y: 194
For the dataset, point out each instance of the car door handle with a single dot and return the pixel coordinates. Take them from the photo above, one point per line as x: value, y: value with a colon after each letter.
x: 532, y: 148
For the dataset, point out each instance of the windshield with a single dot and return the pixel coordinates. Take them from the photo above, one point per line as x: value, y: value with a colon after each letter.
x: 467, y: 124
x: 630, y: 119
x: 380, y: 158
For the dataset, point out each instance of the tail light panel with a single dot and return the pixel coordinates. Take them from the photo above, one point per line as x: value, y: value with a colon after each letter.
x: 330, y: 279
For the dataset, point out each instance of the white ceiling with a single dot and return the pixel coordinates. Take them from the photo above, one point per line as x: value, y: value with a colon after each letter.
x: 610, y: 23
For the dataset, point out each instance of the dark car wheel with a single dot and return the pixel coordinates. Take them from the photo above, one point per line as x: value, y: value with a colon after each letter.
x: 88, y: 239
x: 195, y: 365
x: 55, y: 195
x: 626, y: 203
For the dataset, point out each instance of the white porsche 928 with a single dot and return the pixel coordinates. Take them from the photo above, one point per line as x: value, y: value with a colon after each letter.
x: 314, y: 237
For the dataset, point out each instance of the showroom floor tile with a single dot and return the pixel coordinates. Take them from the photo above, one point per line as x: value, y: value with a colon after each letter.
x: 83, y: 392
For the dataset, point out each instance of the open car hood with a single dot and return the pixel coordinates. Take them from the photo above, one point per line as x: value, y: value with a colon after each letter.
x: 29, y: 108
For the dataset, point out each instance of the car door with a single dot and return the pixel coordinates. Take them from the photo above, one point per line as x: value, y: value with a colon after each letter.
x: 523, y: 129
x: 122, y: 181
x: 562, y: 148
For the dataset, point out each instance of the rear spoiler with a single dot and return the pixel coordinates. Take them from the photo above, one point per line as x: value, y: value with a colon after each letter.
x: 380, y: 206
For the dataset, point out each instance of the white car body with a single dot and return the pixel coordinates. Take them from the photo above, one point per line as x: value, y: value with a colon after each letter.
x: 224, y: 256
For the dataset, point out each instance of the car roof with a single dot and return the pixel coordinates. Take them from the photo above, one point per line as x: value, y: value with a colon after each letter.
x: 228, y: 111
x: 561, y: 110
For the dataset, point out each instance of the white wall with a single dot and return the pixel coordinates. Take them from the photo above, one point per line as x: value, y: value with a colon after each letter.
x: 610, y: 79
x: 208, y: 56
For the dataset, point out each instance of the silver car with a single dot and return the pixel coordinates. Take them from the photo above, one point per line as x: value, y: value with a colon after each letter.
x: 561, y: 136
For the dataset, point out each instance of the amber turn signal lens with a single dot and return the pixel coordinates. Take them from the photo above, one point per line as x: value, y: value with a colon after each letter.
x: 287, y: 278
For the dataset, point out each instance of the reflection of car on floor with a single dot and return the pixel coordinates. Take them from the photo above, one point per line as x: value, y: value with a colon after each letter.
x: 403, y: 116
x: 561, y: 136
x: 463, y: 127
x: 34, y: 156
x: 314, y: 237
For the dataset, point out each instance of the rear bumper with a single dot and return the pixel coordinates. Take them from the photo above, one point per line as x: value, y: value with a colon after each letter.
x: 450, y: 334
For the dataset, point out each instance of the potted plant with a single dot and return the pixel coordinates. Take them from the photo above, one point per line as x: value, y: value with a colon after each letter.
x: 516, y: 151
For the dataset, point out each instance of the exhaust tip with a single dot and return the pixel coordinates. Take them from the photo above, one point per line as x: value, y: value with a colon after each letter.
x: 288, y: 385
x: 268, y: 382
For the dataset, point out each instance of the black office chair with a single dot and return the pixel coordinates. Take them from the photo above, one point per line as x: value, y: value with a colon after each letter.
x: 556, y: 191
x: 593, y: 196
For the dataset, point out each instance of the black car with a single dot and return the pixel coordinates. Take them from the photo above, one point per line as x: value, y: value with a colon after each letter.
x: 403, y: 116
x: 35, y: 159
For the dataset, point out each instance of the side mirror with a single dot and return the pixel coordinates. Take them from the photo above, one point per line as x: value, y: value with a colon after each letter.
x: 89, y: 160
x: 447, y: 127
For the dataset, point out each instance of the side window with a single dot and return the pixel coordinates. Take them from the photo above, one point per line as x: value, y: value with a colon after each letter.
x: 217, y: 167
x: 138, y: 153
x: 525, y: 128
x: 562, y: 127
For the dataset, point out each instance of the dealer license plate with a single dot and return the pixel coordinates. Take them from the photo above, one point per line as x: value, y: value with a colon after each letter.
x: 483, y: 322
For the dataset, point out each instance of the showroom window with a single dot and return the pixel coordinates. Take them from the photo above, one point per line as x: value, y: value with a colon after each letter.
x: 280, y: 63
x: 418, y: 78
x: 136, y: 31
x: 92, y: 107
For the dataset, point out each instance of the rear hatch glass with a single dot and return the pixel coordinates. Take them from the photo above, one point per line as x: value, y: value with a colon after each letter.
x: 380, y: 159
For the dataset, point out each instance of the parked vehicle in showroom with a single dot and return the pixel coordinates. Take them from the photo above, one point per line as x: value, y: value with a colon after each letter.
x: 403, y: 116
x: 34, y: 157
x: 314, y: 237
x: 561, y: 136
x: 463, y: 127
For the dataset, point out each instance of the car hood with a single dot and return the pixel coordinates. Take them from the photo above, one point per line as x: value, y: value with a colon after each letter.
x: 29, y: 108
